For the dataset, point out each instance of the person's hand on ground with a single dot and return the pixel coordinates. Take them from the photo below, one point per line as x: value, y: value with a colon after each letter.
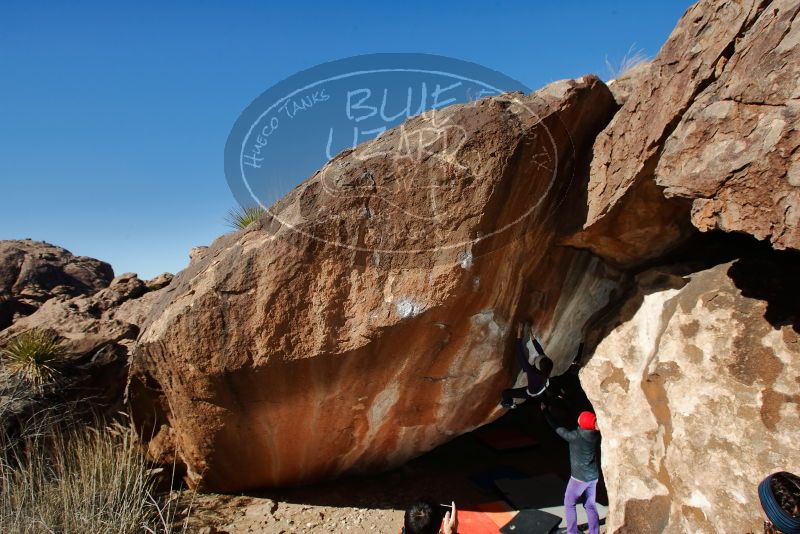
x: 450, y: 523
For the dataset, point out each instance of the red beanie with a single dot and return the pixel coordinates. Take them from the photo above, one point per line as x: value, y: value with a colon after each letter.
x: 587, y: 421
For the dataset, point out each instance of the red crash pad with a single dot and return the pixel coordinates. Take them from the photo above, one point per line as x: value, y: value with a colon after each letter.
x: 472, y: 522
x: 505, y: 439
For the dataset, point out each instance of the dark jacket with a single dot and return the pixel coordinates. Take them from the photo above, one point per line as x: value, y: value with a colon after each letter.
x: 583, y: 460
x: 537, y: 381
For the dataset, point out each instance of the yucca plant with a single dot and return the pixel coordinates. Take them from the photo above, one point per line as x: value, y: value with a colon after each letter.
x: 33, y: 355
x: 242, y: 217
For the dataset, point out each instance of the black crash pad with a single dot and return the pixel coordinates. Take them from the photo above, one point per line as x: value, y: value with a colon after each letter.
x: 486, y: 478
x: 537, y: 492
x: 532, y: 522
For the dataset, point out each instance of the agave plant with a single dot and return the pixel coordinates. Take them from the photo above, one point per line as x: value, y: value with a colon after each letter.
x: 239, y: 218
x: 33, y: 355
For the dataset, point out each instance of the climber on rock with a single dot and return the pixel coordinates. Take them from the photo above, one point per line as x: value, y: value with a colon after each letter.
x: 564, y: 391
x: 538, y: 372
x: 584, y: 469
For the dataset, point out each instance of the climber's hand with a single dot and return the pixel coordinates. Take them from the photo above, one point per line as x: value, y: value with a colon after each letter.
x: 450, y: 523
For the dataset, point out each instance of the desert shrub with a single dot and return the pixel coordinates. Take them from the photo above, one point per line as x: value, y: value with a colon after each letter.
x: 80, y: 480
x: 63, y: 469
x: 33, y: 355
x: 239, y: 218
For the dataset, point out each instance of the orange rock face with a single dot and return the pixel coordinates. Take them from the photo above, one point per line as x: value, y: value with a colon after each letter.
x: 368, y: 318
x: 708, y: 136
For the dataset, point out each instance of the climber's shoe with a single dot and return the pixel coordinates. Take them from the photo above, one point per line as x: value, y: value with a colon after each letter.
x: 508, y: 405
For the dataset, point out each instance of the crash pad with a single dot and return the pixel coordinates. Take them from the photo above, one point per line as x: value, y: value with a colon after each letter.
x: 503, y: 439
x: 475, y: 522
x: 498, y: 511
x: 533, y: 493
x: 486, y: 478
x: 531, y: 522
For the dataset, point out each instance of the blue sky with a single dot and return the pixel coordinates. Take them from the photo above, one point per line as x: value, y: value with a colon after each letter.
x: 114, y: 116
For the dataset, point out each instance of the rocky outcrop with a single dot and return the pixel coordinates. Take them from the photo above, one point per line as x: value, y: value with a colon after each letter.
x: 697, y: 395
x: 368, y: 317
x: 266, y: 361
x: 708, y: 137
x: 695, y: 379
x: 96, y: 333
x: 32, y: 272
x: 159, y: 282
x: 624, y: 85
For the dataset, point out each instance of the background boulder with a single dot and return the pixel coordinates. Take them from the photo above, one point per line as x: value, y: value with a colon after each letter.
x: 96, y: 332
x: 706, y: 138
x: 697, y: 395
x: 32, y: 272
x: 694, y: 377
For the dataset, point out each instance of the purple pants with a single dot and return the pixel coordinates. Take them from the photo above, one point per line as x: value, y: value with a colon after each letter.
x: 575, y: 489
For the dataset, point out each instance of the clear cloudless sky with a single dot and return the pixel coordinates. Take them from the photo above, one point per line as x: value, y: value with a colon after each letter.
x: 114, y: 115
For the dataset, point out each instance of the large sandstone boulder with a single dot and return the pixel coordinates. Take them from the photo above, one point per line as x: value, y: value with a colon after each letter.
x: 32, y: 272
x: 707, y: 136
x: 368, y: 317
x: 698, y: 396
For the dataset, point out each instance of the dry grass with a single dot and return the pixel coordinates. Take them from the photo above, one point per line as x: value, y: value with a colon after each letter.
x: 60, y: 475
x: 632, y: 59
x: 80, y: 481
x: 57, y: 477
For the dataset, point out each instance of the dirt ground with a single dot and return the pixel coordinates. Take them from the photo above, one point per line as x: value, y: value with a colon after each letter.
x: 375, y: 504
